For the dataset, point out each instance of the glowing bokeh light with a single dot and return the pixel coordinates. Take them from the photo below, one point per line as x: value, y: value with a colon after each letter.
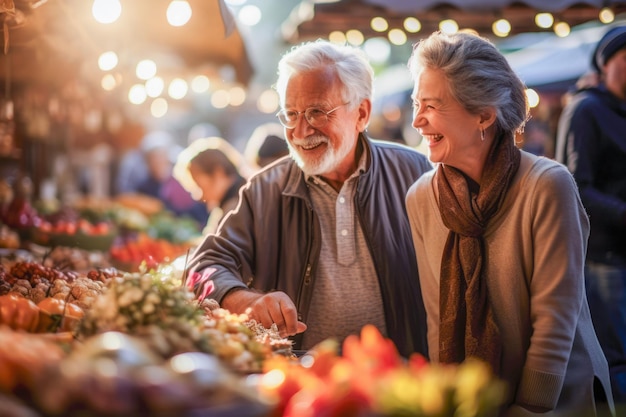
x: 544, y: 20
x: 562, y: 29
x: 146, y: 69
x: 337, y: 37
x: 177, y: 89
x: 137, y: 94
x: 107, y: 61
x: 355, y: 37
x: 159, y: 107
x: 533, y: 97
x: 501, y: 28
x: 379, y: 24
x: 200, y: 84
x: 377, y: 49
x: 155, y: 86
x: 606, y: 15
x: 178, y: 12
x: 268, y: 102
x: 106, y: 11
x: 412, y: 25
x: 250, y: 15
x: 397, y: 36
x: 449, y: 26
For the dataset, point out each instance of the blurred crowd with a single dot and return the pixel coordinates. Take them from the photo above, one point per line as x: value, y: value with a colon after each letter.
x: 200, y: 180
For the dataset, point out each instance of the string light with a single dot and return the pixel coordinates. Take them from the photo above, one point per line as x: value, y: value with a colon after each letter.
x: 379, y: 24
x: 355, y: 37
x: 106, y: 11
x: 337, y: 37
x: 544, y: 20
x: 159, y: 107
x: 397, y: 37
x: 107, y: 61
x: 501, y: 28
x: 178, y: 13
x: 146, y: 69
x: 449, y: 26
x: 412, y: 25
x: 606, y: 15
x: 562, y: 29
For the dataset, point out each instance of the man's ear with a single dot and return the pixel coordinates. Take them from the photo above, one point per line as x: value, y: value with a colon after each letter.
x: 365, y: 111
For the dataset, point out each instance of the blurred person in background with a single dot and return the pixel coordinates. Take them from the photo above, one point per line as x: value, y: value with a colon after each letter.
x: 202, y: 130
x: 320, y: 243
x: 500, y: 236
x: 591, y: 142
x: 266, y: 144
x: 212, y: 171
x: 159, y: 151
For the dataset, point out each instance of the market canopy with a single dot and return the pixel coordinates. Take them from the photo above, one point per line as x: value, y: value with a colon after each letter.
x: 51, y: 40
x: 324, y: 17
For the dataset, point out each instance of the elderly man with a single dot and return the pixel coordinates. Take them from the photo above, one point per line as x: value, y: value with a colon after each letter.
x: 320, y: 243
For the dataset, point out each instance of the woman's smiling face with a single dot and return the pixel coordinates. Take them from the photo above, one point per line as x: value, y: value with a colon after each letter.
x: 451, y: 132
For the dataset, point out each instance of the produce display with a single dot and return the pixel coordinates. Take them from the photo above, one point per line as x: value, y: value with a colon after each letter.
x: 36, y: 282
x: 96, y: 321
x: 129, y: 253
x: 369, y: 378
x: 164, y: 314
x: 141, y: 345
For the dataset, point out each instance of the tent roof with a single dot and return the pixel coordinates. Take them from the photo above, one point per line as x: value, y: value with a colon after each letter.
x: 50, y: 40
x: 479, y: 15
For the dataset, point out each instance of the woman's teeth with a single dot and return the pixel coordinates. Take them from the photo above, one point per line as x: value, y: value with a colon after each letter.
x: 433, y: 138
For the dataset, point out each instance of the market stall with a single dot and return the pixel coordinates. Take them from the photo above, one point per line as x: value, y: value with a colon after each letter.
x: 101, y: 342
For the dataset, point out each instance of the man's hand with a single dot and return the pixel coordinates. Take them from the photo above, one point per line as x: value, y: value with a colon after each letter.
x: 274, y: 307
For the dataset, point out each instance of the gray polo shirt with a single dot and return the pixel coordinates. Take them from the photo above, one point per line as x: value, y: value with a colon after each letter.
x: 346, y: 293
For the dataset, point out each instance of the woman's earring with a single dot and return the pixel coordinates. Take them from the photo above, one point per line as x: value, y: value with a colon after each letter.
x: 482, y: 134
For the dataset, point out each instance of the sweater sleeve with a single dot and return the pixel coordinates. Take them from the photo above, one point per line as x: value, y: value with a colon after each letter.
x: 560, y: 229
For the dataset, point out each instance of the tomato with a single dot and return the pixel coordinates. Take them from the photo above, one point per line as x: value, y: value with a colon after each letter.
x: 19, y: 313
x: 102, y: 228
x: 57, y: 315
x: 70, y: 228
x: 85, y: 227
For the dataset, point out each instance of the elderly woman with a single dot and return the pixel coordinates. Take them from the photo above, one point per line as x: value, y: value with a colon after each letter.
x: 500, y: 235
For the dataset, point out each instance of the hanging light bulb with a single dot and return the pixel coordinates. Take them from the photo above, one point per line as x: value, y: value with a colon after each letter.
x: 106, y: 11
x: 544, y: 20
x: 501, y: 28
x: 562, y: 29
x: 449, y: 26
x: 178, y: 12
x: 606, y: 15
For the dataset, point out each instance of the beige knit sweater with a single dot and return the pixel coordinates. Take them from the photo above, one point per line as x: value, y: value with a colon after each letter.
x: 536, y: 247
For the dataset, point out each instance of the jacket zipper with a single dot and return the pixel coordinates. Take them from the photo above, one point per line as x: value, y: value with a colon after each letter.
x: 307, y: 272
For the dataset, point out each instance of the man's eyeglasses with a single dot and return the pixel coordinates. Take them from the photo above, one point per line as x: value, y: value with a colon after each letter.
x: 314, y: 116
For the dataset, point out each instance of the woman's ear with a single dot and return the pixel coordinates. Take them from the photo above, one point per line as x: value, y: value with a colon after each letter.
x: 487, y: 117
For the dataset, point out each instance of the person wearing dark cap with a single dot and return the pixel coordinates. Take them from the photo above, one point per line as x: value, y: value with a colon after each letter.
x: 591, y: 142
x: 266, y: 144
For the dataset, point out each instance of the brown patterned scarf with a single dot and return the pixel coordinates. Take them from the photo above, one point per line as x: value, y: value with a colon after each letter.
x: 467, y: 325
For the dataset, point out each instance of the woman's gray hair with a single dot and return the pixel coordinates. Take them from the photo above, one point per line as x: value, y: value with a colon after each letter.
x: 350, y: 63
x: 479, y: 76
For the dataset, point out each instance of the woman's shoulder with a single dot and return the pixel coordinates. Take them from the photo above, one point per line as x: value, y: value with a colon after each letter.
x: 423, y: 184
x: 541, y: 170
